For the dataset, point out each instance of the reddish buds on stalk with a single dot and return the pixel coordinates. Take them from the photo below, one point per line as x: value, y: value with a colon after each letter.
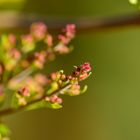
x: 70, y: 30
x: 83, y: 71
x: 19, y: 64
x: 69, y: 33
x: 38, y: 30
x: 54, y: 99
x: 40, y: 85
x: 40, y: 59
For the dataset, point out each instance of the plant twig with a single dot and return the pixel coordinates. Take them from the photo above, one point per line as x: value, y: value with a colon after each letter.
x: 10, y: 111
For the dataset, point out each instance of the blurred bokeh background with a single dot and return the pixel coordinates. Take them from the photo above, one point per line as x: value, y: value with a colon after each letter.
x: 110, y: 109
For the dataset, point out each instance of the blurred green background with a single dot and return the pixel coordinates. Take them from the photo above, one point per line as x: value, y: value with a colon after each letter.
x: 110, y: 108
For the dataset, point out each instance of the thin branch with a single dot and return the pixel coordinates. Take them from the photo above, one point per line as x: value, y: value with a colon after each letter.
x: 19, y: 21
x: 10, y: 111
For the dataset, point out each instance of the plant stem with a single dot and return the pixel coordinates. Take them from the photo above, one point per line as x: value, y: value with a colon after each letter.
x: 10, y: 111
x: 84, y: 24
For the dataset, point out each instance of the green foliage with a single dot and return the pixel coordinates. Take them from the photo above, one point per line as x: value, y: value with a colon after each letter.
x: 4, y: 131
x: 53, y: 87
x: 44, y: 104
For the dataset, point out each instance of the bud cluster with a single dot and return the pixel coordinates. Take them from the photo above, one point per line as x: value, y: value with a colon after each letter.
x: 51, y: 86
x: 31, y: 50
x: 21, y: 62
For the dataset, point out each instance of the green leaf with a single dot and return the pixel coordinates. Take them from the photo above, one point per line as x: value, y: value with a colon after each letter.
x: 84, y: 89
x: 54, y: 105
x: 4, y: 130
x: 44, y: 104
x: 53, y: 87
x: 61, y: 71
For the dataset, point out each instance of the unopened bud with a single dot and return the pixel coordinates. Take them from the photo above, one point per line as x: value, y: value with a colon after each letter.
x: 24, y: 91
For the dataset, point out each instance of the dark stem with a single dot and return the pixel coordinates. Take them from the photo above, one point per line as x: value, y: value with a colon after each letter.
x: 84, y: 24
x: 10, y: 111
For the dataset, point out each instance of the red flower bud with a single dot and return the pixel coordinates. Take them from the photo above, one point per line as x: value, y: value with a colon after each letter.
x: 24, y: 91
x: 86, y: 67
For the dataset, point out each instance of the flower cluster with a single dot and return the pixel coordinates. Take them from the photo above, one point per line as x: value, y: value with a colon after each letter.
x: 49, y: 87
x: 33, y: 49
x: 21, y: 60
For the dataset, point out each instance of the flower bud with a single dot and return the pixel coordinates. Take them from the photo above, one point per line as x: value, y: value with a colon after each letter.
x: 55, y: 99
x: 86, y: 67
x: 61, y: 49
x: 49, y: 40
x: 14, y: 53
x: 41, y: 79
x: 38, y: 30
x: 12, y: 39
x: 40, y: 59
x: 24, y: 91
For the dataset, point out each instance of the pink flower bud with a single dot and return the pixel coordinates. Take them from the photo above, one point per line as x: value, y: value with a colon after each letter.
x: 69, y: 77
x: 24, y: 91
x: 63, y: 77
x: 59, y: 100
x: 62, y: 49
x: 53, y: 76
x: 55, y: 99
x: 70, y: 30
x: 40, y: 57
x: 15, y: 53
x: 12, y: 39
x: 63, y: 39
x: 86, y: 67
x: 39, y: 30
x: 49, y: 40
x: 41, y: 79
